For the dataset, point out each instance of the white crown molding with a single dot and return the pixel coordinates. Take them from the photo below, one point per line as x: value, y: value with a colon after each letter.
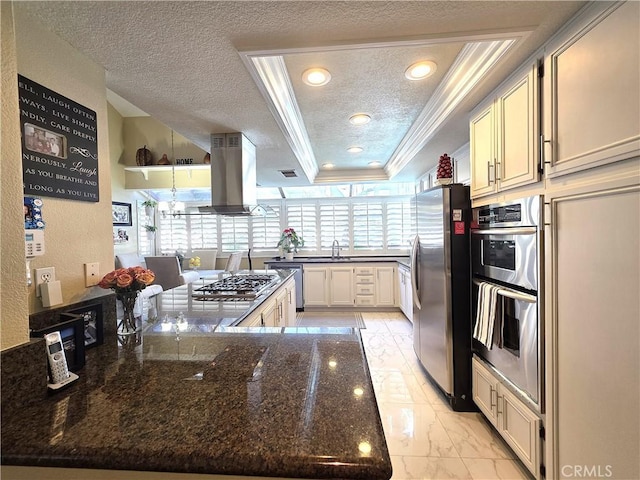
x: 471, y: 65
x: 270, y: 74
x: 478, y: 56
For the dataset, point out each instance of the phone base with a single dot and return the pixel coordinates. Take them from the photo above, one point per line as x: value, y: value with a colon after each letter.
x: 57, y: 386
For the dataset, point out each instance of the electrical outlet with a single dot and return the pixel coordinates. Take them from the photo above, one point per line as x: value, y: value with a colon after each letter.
x: 91, y: 274
x: 44, y: 275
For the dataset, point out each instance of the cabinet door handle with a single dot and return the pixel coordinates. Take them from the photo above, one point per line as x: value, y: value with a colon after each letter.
x: 498, y: 170
x: 491, y: 392
x: 543, y: 162
x: 499, y: 404
x: 489, y: 173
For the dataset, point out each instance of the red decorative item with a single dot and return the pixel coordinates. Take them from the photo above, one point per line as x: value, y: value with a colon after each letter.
x: 445, y: 169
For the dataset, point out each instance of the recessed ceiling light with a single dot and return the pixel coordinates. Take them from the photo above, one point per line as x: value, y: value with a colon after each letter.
x: 420, y: 70
x: 316, y: 77
x: 374, y: 164
x: 360, y: 119
x: 327, y: 165
x: 355, y: 149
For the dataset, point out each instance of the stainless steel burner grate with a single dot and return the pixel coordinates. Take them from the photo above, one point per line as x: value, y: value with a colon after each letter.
x: 235, y: 287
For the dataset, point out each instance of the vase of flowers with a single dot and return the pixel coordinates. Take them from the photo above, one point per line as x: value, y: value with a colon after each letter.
x: 289, y: 242
x: 127, y: 283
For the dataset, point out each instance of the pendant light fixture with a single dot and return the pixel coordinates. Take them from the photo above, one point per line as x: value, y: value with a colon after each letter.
x: 174, y: 207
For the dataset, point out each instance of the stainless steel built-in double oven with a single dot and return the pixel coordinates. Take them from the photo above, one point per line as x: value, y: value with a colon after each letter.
x: 506, y: 247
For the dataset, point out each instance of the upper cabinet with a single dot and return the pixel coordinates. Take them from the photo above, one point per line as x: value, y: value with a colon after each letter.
x: 504, y: 136
x: 592, y: 91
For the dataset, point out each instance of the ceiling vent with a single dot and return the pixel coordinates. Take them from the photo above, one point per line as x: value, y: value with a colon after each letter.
x: 289, y: 173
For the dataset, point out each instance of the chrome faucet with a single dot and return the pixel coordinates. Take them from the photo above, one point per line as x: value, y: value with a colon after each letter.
x: 335, y: 249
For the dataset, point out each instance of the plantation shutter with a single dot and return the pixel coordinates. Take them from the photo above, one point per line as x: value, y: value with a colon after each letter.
x: 172, y: 234
x: 265, y: 231
x: 302, y: 218
x: 334, y: 224
x: 234, y: 233
x: 368, y: 226
x: 400, y: 226
x: 204, y: 231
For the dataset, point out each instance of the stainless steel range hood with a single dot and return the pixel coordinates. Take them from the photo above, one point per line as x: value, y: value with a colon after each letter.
x: 233, y: 175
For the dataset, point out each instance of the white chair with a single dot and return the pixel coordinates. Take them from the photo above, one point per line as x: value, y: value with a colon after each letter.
x: 207, y: 258
x: 233, y: 262
x: 168, y: 272
x: 128, y: 260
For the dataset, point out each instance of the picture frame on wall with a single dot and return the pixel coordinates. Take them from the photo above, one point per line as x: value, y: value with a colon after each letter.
x: 121, y: 214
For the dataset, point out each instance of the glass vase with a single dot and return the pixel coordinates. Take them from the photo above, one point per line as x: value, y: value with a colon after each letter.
x: 127, y: 324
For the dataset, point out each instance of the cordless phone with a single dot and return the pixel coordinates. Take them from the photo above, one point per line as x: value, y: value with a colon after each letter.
x: 58, y: 370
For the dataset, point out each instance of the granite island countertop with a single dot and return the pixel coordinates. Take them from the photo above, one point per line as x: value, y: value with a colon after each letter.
x: 283, y: 402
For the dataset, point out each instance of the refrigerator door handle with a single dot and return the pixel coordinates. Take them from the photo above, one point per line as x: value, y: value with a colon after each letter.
x: 414, y: 272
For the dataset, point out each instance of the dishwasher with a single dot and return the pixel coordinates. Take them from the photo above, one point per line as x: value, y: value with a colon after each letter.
x: 297, y: 276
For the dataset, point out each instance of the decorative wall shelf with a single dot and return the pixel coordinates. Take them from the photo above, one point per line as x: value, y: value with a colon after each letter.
x: 167, y: 168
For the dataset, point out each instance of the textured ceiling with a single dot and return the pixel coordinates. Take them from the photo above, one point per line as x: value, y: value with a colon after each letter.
x: 180, y: 62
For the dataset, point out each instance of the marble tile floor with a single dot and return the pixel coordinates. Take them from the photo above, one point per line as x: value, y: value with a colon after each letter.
x: 426, y: 439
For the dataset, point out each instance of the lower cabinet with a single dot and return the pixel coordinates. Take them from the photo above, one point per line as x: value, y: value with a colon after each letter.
x: 385, y: 286
x: 350, y: 285
x: 516, y: 423
x: 316, y: 293
x: 341, y: 286
x: 277, y: 311
x: 405, y: 293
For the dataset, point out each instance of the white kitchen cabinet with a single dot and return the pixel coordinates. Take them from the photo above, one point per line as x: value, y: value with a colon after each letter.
x: 482, y: 151
x: 270, y: 314
x: 315, y: 285
x: 385, y: 282
x: 591, y: 90
x: 290, y: 311
x: 504, y: 139
x: 341, y: 286
x: 405, y: 292
x: 592, y: 329
x: 365, y: 286
x: 516, y: 423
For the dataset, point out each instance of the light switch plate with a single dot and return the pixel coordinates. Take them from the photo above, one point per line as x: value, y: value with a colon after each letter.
x: 44, y: 275
x: 91, y: 274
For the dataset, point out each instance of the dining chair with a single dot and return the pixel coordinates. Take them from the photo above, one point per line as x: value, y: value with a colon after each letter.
x: 168, y: 272
x: 233, y: 262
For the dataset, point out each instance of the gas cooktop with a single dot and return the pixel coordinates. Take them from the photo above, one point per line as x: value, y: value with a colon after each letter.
x: 235, y: 287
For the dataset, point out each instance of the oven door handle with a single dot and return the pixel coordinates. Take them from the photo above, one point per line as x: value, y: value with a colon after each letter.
x: 507, y: 231
x: 506, y: 292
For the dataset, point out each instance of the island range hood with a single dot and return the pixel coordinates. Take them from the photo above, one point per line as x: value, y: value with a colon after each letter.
x: 233, y: 176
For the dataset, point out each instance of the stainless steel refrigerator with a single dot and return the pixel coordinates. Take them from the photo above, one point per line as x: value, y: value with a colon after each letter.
x: 441, y: 279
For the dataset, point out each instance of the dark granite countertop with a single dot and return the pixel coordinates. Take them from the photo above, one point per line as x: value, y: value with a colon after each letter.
x: 341, y: 259
x: 283, y: 402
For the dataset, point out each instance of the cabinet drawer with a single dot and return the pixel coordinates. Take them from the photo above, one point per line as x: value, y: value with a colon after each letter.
x: 368, y: 289
x: 364, y: 271
x: 365, y: 300
x: 364, y: 279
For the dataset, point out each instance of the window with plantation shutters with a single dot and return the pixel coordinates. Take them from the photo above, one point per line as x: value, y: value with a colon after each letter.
x: 302, y: 217
x: 400, y: 224
x: 172, y: 234
x: 368, y: 226
x: 204, y: 231
x: 334, y: 224
x: 234, y: 233
x: 145, y: 240
x: 265, y: 230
